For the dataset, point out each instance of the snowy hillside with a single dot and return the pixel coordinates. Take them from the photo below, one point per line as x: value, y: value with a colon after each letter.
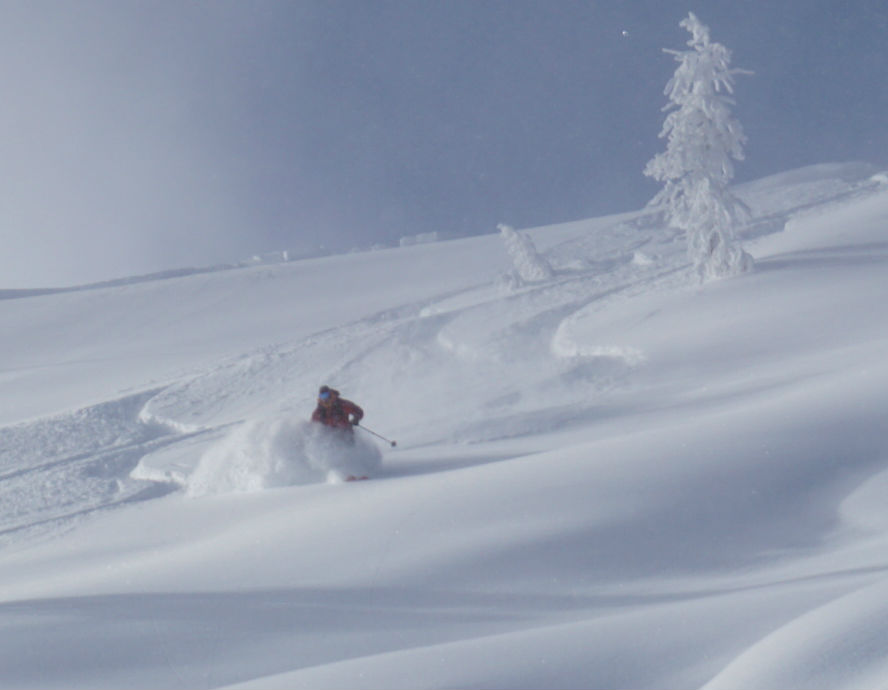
x: 615, y: 477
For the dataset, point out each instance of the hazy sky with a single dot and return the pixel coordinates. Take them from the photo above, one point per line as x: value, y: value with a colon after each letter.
x: 137, y: 136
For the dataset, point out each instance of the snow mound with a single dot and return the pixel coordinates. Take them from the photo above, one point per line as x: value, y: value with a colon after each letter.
x: 838, y: 645
x: 279, y: 451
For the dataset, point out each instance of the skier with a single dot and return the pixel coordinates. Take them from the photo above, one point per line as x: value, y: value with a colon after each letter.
x: 336, y: 412
x: 340, y: 415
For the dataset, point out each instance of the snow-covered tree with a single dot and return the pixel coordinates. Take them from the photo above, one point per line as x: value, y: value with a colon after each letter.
x: 703, y: 140
x: 530, y: 267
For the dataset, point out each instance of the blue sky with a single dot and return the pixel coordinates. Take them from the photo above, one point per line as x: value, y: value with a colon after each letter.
x: 139, y: 135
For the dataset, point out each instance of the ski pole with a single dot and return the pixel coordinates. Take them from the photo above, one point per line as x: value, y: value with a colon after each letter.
x: 391, y: 443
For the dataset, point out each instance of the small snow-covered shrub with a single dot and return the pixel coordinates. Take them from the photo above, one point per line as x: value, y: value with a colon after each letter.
x: 530, y: 266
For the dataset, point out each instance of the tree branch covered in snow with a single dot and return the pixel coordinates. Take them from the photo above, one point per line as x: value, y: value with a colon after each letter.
x: 703, y: 140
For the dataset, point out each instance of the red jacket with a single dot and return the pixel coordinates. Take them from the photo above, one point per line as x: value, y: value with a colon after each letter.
x: 337, y: 413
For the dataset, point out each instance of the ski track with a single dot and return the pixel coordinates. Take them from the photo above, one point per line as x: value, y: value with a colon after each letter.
x: 56, y: 470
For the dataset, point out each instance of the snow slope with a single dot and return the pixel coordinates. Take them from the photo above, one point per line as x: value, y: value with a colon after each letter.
x: 616, y: 477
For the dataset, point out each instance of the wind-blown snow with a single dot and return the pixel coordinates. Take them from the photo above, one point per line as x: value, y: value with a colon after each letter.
x: 281, y: 452
x: 613, y: 477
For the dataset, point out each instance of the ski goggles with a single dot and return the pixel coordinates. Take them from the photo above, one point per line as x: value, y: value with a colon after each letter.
x: 324, y: 396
